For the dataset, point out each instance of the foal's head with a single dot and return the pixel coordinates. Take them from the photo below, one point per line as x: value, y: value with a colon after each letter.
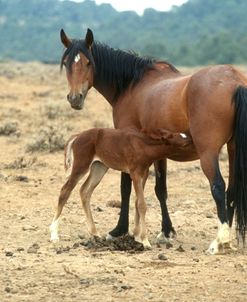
x: 169, y: 138
x: 79, y: 64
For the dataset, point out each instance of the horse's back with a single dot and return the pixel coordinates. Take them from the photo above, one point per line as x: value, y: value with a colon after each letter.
x: 211, y: 110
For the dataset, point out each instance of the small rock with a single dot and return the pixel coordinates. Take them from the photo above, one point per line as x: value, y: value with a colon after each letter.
x: 124, y: 287
x: 10, y: 290
x: 86, y: 281
x: 76, y: 245
x: 22, y: 178
x: 7, y: 289
x: 169, y: 245
x: 239, y: 267
x: 180, y: 249
x: 36, y: 246
x: 20, y: 249
x: 98, y: 209
x: 196, y: 259
x: 193, y: 248
x: 113, y: 203
x: 162, y: 256
x: 9, y: 254
x: 32, y: 250
x: 209, y: 216
x: 29, y: 228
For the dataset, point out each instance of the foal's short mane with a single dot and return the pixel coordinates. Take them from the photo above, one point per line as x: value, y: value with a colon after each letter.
x: 113, y: 67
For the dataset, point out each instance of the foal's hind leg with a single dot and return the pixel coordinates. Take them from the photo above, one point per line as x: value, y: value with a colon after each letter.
x: 167, y: 230
x: 97, y: 171
x: 63, y: 197
x: 210, y: 167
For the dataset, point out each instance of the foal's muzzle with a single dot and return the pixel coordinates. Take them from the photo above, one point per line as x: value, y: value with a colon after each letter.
x: 76, y: 101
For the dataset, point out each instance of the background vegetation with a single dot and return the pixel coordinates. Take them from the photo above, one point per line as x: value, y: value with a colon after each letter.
x: 199, y: 32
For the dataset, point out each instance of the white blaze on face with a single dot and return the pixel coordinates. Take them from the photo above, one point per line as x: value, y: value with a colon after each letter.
x: 77, y: 58
x: 183, y: 135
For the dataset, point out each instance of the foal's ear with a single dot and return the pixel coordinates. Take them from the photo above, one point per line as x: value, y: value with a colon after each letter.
x: 64, y: 39
x: 89, y: 38
x: 167, y: 137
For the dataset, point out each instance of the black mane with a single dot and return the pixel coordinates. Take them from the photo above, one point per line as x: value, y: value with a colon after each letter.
x: 113, y: 67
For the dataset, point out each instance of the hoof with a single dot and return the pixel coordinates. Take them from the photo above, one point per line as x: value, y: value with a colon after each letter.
x: 213, y: 248
x: 161, y: 238
x: 117, y: 232
x: 146, y: 244
x: 220, y: 248
x: 109, y: 237
x: 54, y: 239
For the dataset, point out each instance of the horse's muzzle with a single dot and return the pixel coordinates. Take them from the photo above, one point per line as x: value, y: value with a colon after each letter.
x: 76, y: 101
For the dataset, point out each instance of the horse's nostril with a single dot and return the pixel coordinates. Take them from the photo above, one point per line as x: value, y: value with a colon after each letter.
x: 80, y: 96
x: 68, y: 97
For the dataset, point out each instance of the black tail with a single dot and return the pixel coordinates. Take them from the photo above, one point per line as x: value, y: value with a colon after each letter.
x: 240, y: 162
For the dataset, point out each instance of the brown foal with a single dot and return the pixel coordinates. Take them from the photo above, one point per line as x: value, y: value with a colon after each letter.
x: 126, y: 150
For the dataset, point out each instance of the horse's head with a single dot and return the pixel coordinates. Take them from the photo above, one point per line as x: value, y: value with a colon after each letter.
x: 176, y: 139
x: 80, y: 66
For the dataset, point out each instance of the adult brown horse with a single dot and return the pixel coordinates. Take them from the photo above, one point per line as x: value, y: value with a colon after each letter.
x: 210, y: 105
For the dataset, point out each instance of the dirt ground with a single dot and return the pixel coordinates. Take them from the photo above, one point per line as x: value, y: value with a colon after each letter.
x: 35, y: 120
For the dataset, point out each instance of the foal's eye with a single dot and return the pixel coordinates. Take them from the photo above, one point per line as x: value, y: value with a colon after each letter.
x: 88, y: 63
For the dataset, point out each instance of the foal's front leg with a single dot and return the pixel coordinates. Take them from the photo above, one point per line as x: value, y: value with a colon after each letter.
x: 140, y: 230
x: 97, y: 171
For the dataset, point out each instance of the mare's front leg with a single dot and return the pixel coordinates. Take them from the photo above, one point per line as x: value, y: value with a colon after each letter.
x: 123, y: 221
x: 97, y: 172
x: 167, y: 230
x: 210, y: 167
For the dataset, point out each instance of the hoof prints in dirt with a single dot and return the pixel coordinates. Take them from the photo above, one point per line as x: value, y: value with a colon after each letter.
x: 123, y: 243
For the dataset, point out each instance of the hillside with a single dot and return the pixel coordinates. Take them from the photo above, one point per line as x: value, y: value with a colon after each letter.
x: 198, y: 32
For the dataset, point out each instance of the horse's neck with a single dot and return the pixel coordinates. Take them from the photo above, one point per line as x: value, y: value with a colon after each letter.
x: 107, y: 92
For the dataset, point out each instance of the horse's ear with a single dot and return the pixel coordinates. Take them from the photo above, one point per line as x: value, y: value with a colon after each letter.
x: 89, y: 38
x: 64, y: 39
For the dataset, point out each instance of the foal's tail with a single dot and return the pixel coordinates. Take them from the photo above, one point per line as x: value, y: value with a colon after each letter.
x: 68, y: 155
x: 240, y: 162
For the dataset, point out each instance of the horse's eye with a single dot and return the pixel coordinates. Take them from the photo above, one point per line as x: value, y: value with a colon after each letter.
x: 88, y: 63
x: 65, y: 64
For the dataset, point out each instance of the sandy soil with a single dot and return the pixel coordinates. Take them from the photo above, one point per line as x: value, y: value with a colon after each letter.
x: 34, y: 115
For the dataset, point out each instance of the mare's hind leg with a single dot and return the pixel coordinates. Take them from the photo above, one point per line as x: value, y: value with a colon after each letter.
x: 210, y: 167
x: 167, y: 230
x: 230, y: 189
x: 97, y: 171
x: 63, y: 197
x: 123, y: 221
